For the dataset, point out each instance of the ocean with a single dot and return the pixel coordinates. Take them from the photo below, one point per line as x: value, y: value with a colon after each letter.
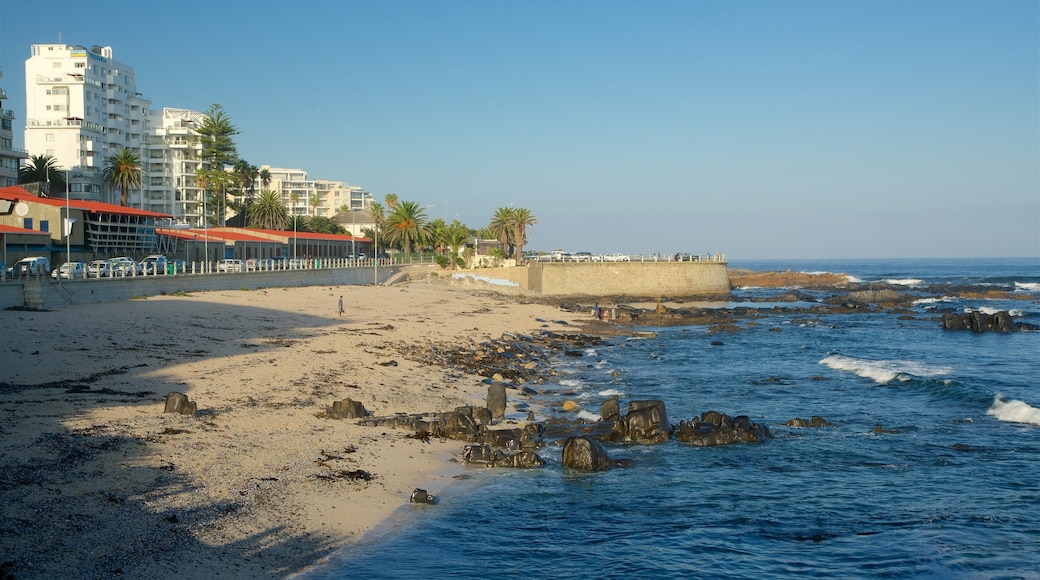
x: 949, y: 489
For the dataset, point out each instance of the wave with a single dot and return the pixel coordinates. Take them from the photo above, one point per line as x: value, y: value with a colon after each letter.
x: 1014, y: 411
x: 992, y: 311
x: 934, y: 300
x: 1028, y: 287
x: 884, y: 371
x: 904, y: 281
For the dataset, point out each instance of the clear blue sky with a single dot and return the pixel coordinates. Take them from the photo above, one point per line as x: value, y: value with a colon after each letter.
x: 761, y: 129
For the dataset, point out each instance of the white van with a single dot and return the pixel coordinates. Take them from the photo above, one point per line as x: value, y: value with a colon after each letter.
x: 31, y: 267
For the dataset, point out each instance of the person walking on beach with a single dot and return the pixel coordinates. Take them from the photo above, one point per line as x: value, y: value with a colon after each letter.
x: 341, y: 306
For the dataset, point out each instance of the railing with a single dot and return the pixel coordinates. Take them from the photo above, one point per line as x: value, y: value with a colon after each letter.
x: 614, y: 258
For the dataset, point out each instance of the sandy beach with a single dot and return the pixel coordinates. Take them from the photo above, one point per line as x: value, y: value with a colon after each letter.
x: 96, y: 481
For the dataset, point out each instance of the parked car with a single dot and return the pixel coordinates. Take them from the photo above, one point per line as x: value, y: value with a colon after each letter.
x: 99, y: 269
x: 70, y: 270
x: 123, y: 266
x: 155, y: 264
x: 581, y: 257
x: 179, y: 266
x: 616, y: 258
x: 229, y: 265
x: 31, y: 267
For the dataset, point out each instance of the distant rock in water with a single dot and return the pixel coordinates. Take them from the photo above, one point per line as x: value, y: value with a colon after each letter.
x: 981, y: 322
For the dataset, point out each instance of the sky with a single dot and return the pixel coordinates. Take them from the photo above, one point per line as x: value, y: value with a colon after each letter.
x: 760, y: 129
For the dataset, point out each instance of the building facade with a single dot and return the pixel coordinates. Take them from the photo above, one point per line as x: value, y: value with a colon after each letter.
x: 82, y: 106
x: 313, y: 197
x: 173, y: 157
x: 10, y: 158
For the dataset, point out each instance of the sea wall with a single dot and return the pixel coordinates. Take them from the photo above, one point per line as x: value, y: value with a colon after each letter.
x: 649, y: 279
x: 46, y: 293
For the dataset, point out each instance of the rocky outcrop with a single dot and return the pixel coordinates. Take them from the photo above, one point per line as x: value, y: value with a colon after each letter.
x: 645, y: 422
x: 496, y: 401
x: 713, y: 428
x: 816, y: 421
x: 586, y: 454
x: 487, y: 455
x: 981, y: 322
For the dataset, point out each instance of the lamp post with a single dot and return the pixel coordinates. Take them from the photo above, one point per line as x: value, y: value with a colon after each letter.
x: 353, y: 246
x: 67, y: 226
x: 375, y: 255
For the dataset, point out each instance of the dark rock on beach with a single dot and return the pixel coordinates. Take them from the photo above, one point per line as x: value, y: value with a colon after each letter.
x: 587, y: 454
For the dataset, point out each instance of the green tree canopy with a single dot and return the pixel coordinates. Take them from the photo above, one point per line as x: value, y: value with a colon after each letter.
x: 268, y: 212
x: 44, y: 171
x: 406, y: 225
x: 123, y: 171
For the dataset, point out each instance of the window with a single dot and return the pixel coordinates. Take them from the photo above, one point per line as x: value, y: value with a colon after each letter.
x: 45, y: 226
x: 50, y: 137
x: 27, y: 223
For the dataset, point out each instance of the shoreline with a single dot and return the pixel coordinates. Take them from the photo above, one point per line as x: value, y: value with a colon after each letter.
x: 97, y: 479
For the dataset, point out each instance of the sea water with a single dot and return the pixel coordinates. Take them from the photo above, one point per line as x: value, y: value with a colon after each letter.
x: 950, y: 487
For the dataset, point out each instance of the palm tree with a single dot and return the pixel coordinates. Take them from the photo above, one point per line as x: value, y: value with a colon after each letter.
x: 406, y: 224
x: 522, y: 218
x: 391, y: 201
x: 42, y: 170
x: 268, y: 212
x: 124, y: 172
x: 314, y: 203
x: 376, y: 211
x: 265, y: 178
x: 501, y: 227
x: 455, y: 237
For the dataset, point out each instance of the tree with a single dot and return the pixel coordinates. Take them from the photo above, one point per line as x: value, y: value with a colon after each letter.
x: 324, y: 225
x: 265, y: 178
x: 391, y: 201
x: 501, y: 227
x: 216, y: 136
x: 296, y: 223
x: 44, y: 171
x: 245, y: 176
x: 455, y: 237
x: 406, y: 224
x: 314, y: 203
x: 268, y: 212
x: 521, y: 219
x: 123, y: 172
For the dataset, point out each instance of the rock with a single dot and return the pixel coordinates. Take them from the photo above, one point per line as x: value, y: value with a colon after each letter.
x: 179, y: 403
x: 496, y: 401
x: 610, y: 410
x: 585, y: 453
x: 421, y: 496
x: 713, y: 428
x: 345, y: 409
x: 646, y: 422
x: 485, y: 455
x: 816, y: 421
x: 980, y: 321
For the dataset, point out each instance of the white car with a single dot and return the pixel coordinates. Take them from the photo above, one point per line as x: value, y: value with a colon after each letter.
x: 70, y: 270
x: 98, y: 269
x: 123, y: 266
x: 616, y: 258
x: 229, y: 265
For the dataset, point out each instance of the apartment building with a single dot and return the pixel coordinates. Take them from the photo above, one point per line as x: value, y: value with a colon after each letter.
x: 172, y: 158
x: 82, y: 106
x: 10, y: 158
x: 313, y: 197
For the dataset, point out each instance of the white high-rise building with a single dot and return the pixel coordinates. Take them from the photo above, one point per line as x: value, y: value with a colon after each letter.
x: 10, y: 158
x: 173, y: 156
x: 82, y: 106
x: 313, y: 197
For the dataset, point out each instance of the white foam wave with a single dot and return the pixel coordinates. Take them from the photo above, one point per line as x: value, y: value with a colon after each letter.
x: 1014, y: 411
x: 852, y: 279
x: 589, y: 352
x: 991, y: 311
x: 1027, y: 286
x: 612, y: 393
x: 571, y: 383
x: 934, y: 300
x: 587, y: 416
x: 884, y: 371
x: 904, y: 281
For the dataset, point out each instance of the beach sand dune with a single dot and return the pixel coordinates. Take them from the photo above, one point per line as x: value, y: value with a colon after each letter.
x: 96, y: 481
